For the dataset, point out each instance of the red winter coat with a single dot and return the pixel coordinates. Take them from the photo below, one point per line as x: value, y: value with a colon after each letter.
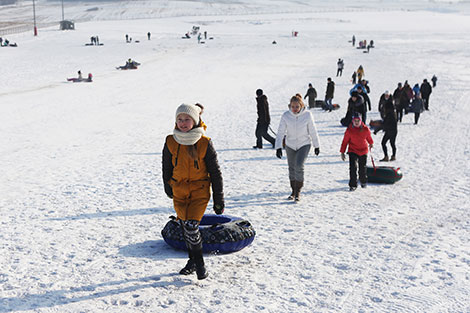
x: 358, y: 139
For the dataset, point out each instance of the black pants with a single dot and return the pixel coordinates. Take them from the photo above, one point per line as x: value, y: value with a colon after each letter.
x: 392, y: 136
x: 416, y: 117
x: 426, y: 102
x: 262, y: 132
x: 354, y: 160
x: 339, y: 72
x: 399, y: 114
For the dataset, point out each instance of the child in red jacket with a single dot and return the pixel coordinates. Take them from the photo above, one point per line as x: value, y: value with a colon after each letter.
x: 358, y: 137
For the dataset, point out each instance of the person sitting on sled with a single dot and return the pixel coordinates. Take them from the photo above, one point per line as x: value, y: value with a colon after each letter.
x: 357, y: 137
x: 190, y: 168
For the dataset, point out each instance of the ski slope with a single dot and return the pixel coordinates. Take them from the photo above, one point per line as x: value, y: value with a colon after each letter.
x: 82, y: 201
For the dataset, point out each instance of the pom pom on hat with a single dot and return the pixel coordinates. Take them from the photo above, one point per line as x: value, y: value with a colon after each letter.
x: 192, y: 110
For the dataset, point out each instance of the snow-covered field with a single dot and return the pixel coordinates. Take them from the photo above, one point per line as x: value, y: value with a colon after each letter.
x: 81, y: 196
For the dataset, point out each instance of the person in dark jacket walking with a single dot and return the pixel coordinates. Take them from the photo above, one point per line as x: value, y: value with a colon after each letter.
x: 354, y: 75
x: 330, y: 93
x: 390, y: 129
x: 190, y: 169
x: 264, y: 119
x: 312, y: 95
x: 385, y: 98
x: 367, y: 104
x: 417, y: 106
x: 359, y: 140
x: 426, y: 91
x: 356, y: 106
x: 401, y: 101
x: 434, y: 81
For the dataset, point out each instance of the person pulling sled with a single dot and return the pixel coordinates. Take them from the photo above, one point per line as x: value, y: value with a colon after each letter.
x: 358, y: 140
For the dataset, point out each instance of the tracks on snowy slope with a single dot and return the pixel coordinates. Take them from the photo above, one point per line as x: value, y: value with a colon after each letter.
x: 432, y: 224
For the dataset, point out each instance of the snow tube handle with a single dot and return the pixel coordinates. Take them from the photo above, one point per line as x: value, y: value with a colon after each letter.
x: 214, y: 225
x: 244, y: 224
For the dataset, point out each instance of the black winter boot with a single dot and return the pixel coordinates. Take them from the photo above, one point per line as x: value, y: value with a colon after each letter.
x: 293, y: 185
x: 300, y: 184
x: 200, y: 268
x: 190, y: 266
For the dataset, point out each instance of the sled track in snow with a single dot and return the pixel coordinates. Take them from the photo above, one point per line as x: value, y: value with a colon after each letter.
x: 415, y: 302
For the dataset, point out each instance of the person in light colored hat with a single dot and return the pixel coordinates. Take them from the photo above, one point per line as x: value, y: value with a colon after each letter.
x: 357, y: 137
x: 190, y: 168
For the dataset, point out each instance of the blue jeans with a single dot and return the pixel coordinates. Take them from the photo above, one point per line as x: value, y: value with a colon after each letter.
x: 296, y: 160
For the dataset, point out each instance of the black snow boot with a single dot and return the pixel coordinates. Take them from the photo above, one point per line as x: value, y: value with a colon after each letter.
x: 200, y: 268
x: 293, y: 185
x: 300, y: 184
x: 190, y: 266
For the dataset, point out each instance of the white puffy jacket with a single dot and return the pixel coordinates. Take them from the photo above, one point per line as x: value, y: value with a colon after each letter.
x: 299, y: 130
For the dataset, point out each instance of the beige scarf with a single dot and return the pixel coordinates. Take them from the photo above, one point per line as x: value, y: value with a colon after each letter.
x: 189, y: 138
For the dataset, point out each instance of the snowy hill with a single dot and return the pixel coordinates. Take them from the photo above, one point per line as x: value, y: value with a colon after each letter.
x: 82, y: 202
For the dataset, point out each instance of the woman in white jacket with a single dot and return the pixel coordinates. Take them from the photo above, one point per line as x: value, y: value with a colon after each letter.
x: 298, y: 128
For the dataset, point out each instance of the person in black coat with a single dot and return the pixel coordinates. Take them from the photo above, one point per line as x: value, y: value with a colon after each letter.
x: 426, y: 91
x: 330, y: 93
x: 401, y: 100
x: 385, y: 98
x: 434, y: 81
x: 312, y: 95
x: 356, y: 104
x: 264, y: 119
x: 390, y: 129
x: 367, y: 104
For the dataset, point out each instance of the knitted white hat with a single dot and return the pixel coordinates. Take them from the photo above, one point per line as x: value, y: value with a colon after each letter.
x: 192, y: 110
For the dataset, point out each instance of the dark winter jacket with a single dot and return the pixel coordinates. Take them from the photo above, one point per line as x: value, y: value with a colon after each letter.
x: 330, y: 90
x: 400, y: 98
x: 383, y: 103
x: 312, y: 95
x: 408, y: 91
x: 426, y: 89
x: 263, y: 110
x: 417, y: 105
x: 366, y: 101
x: 357, y: 106
x: 390, y: 121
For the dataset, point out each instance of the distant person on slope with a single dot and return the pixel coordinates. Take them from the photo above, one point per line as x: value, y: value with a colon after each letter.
x: 358, y: 140
x: 417, y: 106
x: 297, y: 128
x: 434, y: 81
x: 264, y: 119
x: 190, y: 169
x: 360, y: 73
x: 390, y: 129
x: 330, y: 93
x: 426, y: 91
x: 312, y: 95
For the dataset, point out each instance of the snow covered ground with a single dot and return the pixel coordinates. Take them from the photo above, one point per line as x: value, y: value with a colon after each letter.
x: 81, y: 196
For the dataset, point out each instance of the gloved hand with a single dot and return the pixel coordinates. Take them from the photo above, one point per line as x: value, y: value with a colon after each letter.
x: 343, y: 156
x: 279, y: 153
x: 219, y: 208
x: 169, y: 191
x: 371, y: 146
x: 317, y: 151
